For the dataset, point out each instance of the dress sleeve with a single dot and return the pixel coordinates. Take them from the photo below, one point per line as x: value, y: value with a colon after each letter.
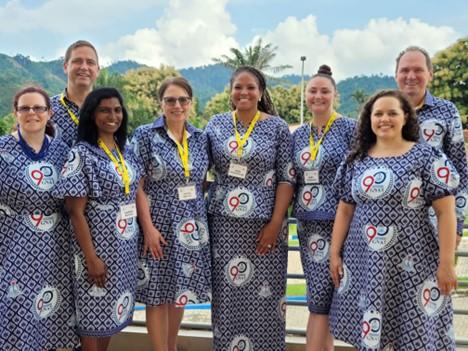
x: 140, y: 151
x: 342, y: 185
x: 284, y: 172
x: 440, y: 177
x: 78, y: 177
x: 454, y: 148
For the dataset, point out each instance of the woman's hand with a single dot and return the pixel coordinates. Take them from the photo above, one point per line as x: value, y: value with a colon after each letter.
x: 336, y: 269
x: 153, y: 243
x: 266, y: 240
x: 446, y: 278
x: 97, y: 271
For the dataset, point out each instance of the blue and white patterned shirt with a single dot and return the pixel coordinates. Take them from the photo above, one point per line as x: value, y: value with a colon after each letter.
x: 441, y: 127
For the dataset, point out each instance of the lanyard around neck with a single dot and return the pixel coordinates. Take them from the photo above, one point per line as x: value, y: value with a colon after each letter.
x: 314, y: 146
x: 70, y: 112
x: 184, y: 153
x: 118, y: 164
x: 242, y: 140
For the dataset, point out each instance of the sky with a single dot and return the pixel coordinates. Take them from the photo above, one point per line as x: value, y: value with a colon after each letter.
x: 353, y: 37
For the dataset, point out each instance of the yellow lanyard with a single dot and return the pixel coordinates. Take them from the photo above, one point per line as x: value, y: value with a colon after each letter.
x: 118, y: 164
x: 241, y: 141
x: 184, y: 154
x: 314, y: 147
x: 70, y: 112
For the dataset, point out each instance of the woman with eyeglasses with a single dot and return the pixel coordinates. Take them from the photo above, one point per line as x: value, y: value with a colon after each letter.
x: 36, y: 304
x: 251, y: 151
x: 101, y: 185
x: 175, y: 254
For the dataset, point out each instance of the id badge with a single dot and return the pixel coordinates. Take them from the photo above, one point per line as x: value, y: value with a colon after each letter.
x: 187, y: 192
x: 237, y: 170
x: 312, y: 176
x: 128, y: 211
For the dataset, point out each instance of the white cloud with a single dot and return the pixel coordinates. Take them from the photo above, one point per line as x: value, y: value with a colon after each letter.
x: 189, y: 33
x: 371, y: 50
x: 70, y: 17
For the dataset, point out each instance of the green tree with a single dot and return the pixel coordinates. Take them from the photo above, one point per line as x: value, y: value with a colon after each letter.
x: 451, y: 76
x: 259, y: 56
x: 218, y: 104
x: 6, y: 124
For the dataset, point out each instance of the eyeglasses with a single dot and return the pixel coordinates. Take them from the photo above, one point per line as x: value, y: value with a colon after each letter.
x: 171, y: 100
x: 36, y: 109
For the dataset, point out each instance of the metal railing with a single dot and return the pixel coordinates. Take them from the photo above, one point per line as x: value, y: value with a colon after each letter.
x: 302, y: 303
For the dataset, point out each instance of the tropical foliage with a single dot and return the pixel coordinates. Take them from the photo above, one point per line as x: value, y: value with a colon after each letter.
x: 450, y: 79
x: 259, y: 56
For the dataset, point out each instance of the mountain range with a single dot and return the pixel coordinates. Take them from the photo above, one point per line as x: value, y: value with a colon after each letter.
x: 207, y: 81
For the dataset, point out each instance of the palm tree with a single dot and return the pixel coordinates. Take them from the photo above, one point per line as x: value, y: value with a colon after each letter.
x: 359, y: 96
x: 258, y: 56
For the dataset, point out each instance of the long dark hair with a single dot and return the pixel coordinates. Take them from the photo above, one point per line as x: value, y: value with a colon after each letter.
x: 265, y: 104
x: 366, y: 138
x: 87, y: 129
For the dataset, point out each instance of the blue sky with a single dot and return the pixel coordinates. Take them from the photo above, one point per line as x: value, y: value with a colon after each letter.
x: 354, y: 37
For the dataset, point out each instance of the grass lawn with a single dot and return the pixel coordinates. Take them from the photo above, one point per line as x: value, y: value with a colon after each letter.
x: 296, y: 290
x: 293, y: 231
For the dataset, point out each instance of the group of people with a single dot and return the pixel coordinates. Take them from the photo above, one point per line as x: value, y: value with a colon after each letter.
x: 91, y: 223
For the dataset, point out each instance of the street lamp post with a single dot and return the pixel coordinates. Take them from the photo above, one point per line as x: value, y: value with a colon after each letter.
x: 303, y: 58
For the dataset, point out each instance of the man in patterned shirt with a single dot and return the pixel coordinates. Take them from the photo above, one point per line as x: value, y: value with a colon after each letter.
x: 439, y: 119
x: 82, y: 69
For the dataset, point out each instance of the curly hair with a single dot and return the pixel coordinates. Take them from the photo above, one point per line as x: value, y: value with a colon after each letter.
x: 366, y: 137
x: 265, y: 104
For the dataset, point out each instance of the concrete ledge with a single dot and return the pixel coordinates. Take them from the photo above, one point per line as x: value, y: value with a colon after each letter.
x: 136, y: 338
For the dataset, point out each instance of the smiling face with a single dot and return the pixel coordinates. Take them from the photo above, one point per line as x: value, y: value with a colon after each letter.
x: 30, y: 121
x: 108, y: 116
x: 320, y: 94
x: 82, y: 68
x: 387, y: 118
x: 245, y: 92
x: 174, y: 110
x: 413, y: 75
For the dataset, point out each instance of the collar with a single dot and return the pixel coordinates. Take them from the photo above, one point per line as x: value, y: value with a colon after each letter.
x: 68, y: 101
x: 159, y: 123
x: 428, y: 99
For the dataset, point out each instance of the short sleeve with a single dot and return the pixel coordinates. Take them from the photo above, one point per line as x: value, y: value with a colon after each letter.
x: 284, y: 166
x: 140, y: 150
x: 440, y: 178
x: 78, y: 177
x: 343, y: 183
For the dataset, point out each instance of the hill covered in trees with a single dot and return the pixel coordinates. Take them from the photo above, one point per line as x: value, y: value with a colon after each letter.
x: 207, y: 81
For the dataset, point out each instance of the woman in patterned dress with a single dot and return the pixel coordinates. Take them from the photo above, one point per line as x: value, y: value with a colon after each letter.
x: 36, y: 304
x: 250, y: 148
x: 100, y: 183
x: 175, y: 257
x: 392, y: 272
x: 319, y: 148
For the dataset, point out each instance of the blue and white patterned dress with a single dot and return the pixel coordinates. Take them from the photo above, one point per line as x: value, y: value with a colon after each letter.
x: 441, y: 127
x: 65, y: 128
x: 248, y: 290
x: 90, y: 173
x: 183, y: 276
x: 36, y: 304
x: 388, y: 298
x: 315, y: 206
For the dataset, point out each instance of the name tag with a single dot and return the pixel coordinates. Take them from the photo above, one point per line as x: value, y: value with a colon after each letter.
x: 128, y: 211
x: 237, y: 170
x: 311, y: 177
x: 187, y: 192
